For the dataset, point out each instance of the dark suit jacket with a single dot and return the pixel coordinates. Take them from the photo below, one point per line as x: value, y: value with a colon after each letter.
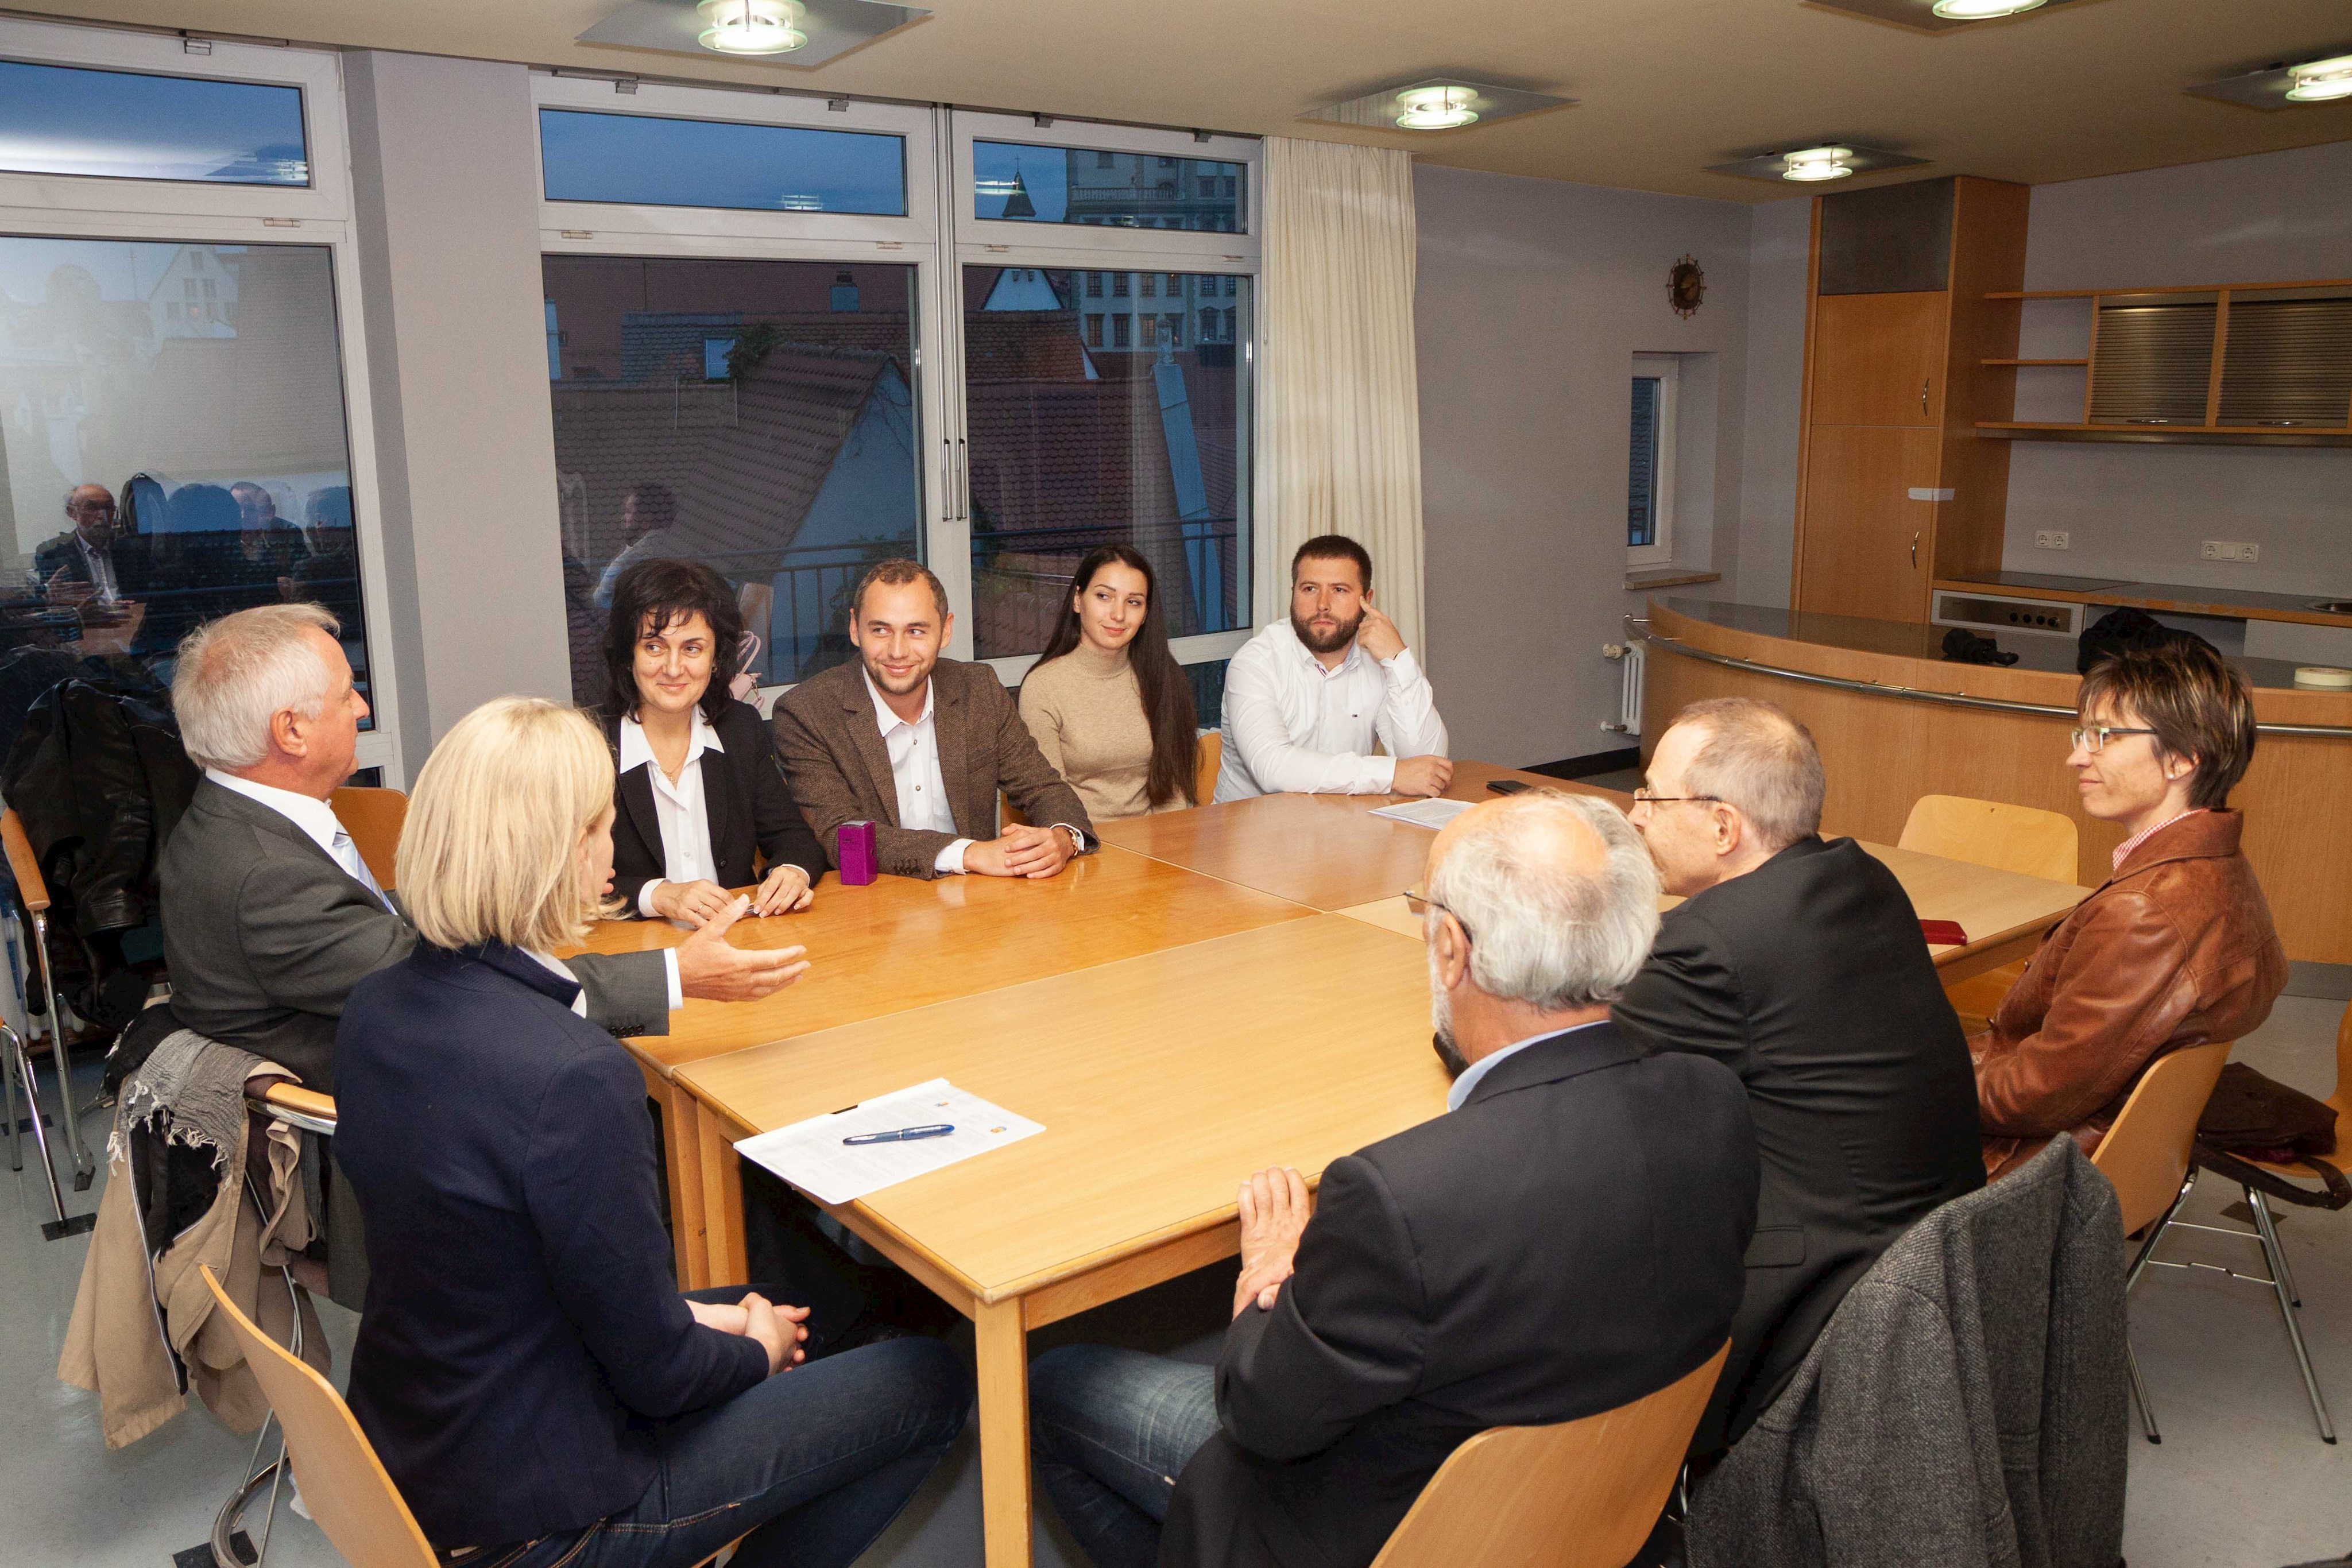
x: 1808, y: 979
x: 1567, y: 1241
x: 830, y: 737
x: 743, y: 795
x: 129, y: 557
x: 266, y: 935
x: 523, y: 1329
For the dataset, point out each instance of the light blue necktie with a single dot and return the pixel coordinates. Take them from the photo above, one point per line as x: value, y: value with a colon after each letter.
x: 348, y: 854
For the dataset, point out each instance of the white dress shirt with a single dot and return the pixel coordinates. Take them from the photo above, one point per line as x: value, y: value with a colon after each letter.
x: 678, y: 808
x: 318, y: 820
x: 1293, y: 727
x: 1459, y: 1095
x: 914, y: 751
x: 101, y: 564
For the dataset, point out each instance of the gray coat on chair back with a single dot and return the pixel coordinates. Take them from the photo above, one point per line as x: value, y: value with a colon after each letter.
x: 1965, y: 1408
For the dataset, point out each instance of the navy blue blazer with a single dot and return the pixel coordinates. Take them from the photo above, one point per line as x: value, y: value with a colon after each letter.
x: 523, y: 1328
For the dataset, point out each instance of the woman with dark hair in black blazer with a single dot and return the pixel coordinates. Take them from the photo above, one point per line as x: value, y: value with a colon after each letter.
x: 699, y: 790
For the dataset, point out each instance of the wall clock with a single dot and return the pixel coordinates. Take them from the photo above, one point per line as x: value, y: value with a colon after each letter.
x: 1686, y: 286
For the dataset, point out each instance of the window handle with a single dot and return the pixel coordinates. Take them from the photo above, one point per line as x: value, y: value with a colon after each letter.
x: 1915, y: 549
x: 963, y: 480
x: 1923, y: 395
x: 947, y: 480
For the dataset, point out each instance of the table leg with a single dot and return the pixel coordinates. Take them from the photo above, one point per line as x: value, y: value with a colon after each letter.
x: 682, y: 1144
x: 1002, y: 1346
x: 722, y: 1199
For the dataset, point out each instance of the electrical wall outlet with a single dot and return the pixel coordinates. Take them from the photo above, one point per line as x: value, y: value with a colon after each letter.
x: 2051, y: 539
x: 2230, y: 550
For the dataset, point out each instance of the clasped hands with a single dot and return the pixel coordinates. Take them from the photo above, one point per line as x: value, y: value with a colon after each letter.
x: 1274, y: 1209
x: 1021, y: 851
x: 783, y: 890
x: 779, y: 1331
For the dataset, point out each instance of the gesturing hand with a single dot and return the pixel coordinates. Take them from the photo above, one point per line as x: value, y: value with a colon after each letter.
x: 1378, y: 635
x: 1274, y: 1209
x: 715, y: 969
x: 697, y: 903
x: 785, y: 888
x: 64, y: 589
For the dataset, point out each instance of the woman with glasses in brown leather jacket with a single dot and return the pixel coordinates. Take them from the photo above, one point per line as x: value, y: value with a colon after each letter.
x: 2176, y: 949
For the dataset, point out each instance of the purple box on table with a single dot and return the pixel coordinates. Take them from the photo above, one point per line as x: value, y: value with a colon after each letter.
x: 854, y: 845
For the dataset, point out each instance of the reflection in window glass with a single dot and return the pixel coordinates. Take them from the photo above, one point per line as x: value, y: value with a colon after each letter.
x: 66, y: 119
x: 642, y: 160
x: 173, y: 440
x: 1642, y: 470
x: 757, y: 416
x: 1017, y: 181
x: 1072, y: 445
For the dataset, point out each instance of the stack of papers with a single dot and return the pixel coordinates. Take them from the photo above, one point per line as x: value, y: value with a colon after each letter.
x: 812, y: 1157
x: 1423, y: 813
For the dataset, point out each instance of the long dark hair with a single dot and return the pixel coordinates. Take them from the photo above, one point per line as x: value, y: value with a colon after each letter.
x: 1158, y: 678
x: 654, y: 595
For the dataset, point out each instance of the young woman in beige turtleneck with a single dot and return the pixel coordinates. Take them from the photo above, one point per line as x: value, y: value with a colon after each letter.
x: 1108, y: 703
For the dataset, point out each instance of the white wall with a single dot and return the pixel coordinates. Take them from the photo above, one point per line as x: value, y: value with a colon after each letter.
x: 1780, y: 250
x: 1533, y: 299
x: 2140, y: 512
x: 446, y: 178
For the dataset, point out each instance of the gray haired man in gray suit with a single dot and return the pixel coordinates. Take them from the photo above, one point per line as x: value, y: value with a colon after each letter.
x: 270, y: 916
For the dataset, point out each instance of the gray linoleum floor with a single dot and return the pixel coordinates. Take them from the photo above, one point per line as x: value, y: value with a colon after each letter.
x: 2241, y: 1479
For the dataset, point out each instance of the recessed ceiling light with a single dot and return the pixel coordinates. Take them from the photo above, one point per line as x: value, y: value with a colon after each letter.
x: 1981, y: 10
x: 1828, y: 161
x: 1817, y: 163
x: 1434, y: 103
x: 1442, y: 108
x: 750, y: 26
x: 2321, y: 81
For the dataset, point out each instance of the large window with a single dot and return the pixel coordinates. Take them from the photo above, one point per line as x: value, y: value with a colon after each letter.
x: 1074, y: 445
x: 758, y: 417
x: 1022, y: 183
x: 656, y: 161
x: 1650, y: 466
x: 66, y: 119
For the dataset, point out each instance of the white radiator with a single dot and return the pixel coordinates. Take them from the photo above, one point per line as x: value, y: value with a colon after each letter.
x: 1631, y: 666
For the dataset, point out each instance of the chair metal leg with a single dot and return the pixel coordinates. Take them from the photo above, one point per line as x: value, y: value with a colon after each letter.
x: 2139, y: 1394
x: 2266, y: 1226
x: 21, y: 1061
x: 15, y: 1139
x: 2155, y: 1233
x: 2279, y: 1282
x: 85, y: 1166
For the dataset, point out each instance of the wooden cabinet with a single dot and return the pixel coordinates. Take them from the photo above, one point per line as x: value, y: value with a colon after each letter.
x: 1893, y: 489
x: 1867, y: 546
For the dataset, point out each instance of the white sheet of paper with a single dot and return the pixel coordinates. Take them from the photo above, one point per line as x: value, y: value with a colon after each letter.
x: 1423, y: 813
x: 811, y: 1155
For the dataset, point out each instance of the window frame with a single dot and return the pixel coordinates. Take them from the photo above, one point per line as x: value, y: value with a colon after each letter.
x: 162, y: 212
x: 1667, y: 370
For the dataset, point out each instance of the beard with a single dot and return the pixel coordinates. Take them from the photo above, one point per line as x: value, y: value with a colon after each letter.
x: 1330, y: 642
x: 1440, y: 1022
x: 902, y: 685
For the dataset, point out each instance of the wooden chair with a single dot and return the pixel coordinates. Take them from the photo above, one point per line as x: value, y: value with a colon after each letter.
x: 2007, y: 838
x: 1582, y: 1494
x: 2147, y: 1156
x: 1204, y: 775
x: 373, y: 819
x: 41, y: 1001
x: 2280, y: 1278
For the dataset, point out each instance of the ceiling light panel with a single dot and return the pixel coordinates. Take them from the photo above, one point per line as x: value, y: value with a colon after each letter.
x: 1938, y: 16
x: 753, y: 29
x: 1811, y: 163
x: 2285, y: 86
x: 1434, y: 103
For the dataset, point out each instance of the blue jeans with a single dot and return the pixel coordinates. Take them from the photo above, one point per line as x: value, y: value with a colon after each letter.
x: 812, y: 1464
x: 1110, y: 1430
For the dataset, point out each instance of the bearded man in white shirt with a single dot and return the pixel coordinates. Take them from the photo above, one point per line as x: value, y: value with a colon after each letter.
x: 1305, y: 698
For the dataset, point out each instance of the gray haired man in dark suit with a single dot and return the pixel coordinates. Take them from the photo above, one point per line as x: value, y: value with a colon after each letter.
x: 270, y: 916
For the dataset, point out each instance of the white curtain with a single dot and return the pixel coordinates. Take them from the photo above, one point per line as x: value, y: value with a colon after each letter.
x: 1338, y: 416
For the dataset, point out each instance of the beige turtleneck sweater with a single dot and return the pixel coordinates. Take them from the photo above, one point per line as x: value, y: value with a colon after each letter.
x: 1086, y: 712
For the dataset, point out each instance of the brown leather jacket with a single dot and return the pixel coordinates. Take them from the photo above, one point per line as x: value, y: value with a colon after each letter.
x: 2176, y: 949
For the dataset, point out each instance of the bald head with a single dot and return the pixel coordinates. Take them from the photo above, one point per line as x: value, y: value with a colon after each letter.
x: 91, y: 507
x: 1555, y: 894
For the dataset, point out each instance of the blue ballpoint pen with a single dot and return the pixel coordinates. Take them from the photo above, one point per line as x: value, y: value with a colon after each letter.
x: 903, y: 1135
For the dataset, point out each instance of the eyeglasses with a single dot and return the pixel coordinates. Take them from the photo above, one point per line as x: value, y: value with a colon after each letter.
x: 1417, y: 899
x: 1643, y: 796
x: 2092, y: 738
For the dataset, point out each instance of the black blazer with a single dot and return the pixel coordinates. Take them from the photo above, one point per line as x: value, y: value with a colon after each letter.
x: 1567, y: 1241
x: 1808, y: 979
x: 744, y: 795
x: 523, y: 1330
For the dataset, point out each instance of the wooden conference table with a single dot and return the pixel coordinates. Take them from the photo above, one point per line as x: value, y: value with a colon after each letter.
x: 1212, y: 992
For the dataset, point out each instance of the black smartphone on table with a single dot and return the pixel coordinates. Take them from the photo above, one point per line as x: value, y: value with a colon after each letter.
x: 1508, y: 785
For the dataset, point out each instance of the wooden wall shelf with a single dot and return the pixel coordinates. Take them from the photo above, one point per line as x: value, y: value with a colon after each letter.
x: 2169, y: 434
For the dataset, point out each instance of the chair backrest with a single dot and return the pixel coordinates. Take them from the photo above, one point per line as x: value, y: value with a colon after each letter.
x: 23, y: 863
x: 2342, y: 1099
x: 2145, y: 1153
x: 1582, y: 1494
x: 1993, y: 833
x: 343, y: 1483
x: 372, y: 818
x: 1204, y: 774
